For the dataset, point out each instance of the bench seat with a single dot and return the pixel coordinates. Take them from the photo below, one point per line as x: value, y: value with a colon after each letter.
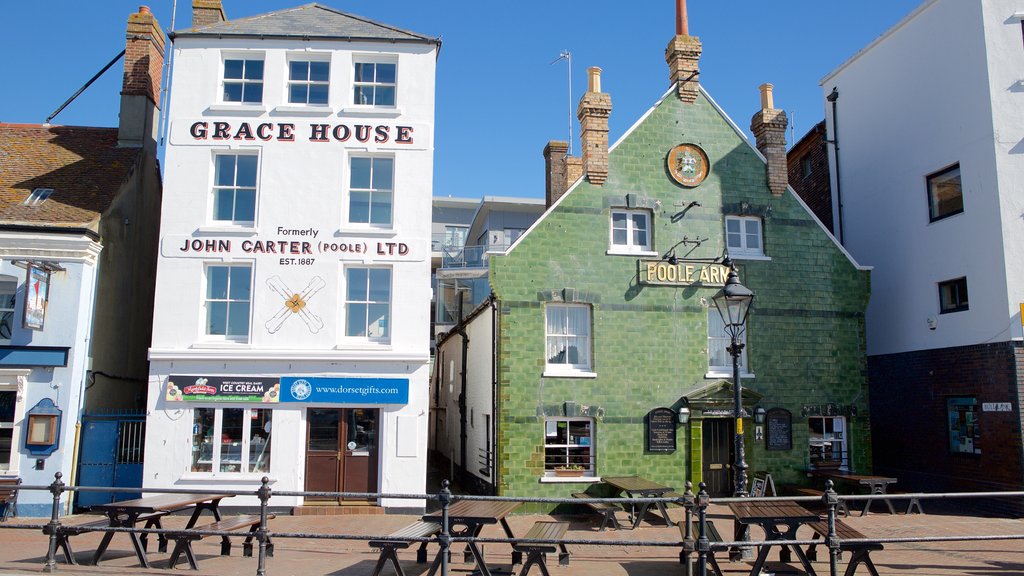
x: 841, y: 508
x: 713, y: 536
x: 9, y: 497
x: 535, y: 551
x: 183, y: 541
x: 607, y: 510
x: 66, y: 531
x: 860, y: 551
x: 420, y: 529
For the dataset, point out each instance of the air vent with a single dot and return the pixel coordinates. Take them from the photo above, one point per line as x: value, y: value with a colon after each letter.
x: 38, y: 196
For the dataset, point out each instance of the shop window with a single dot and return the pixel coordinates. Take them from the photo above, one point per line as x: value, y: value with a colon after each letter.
x: 231, y: 440
x: 630, y: 231
x: 953, y: 296
x: 569, y: 446
x: 375, y: 83
x: 8, y: 291
x: 228, y: 293
x: 828, y: 442
x: 743, y: 236
x: 234, y: 189
x: 368, y: 303
x: 8, y: 404
x: 243, y: 81
x: 568, y: 339
x: 308, y: 82
x: 371, y: 187
x: 945, y: 193
x: 964, y: 431
x: 719, y: 359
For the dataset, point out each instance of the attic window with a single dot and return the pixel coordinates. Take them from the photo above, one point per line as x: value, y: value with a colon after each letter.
x: 38, y: 196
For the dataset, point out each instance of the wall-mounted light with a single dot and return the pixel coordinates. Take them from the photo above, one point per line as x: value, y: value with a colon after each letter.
x: 759, y: 413
x: 684, y: 414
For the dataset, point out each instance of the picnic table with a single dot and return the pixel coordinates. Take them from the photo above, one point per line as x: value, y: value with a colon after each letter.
x: 875, y: 484
x: 637, y: 487
x: 780, y: 521
x: 468, y: 518
x: 127, y: 513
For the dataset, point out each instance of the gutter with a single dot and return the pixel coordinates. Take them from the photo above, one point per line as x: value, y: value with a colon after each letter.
x: 91, y: 234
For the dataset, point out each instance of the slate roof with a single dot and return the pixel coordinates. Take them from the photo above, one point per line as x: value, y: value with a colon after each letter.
x: 82, y: 165
x: 308, y: 21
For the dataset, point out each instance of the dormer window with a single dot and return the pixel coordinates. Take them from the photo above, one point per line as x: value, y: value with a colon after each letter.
x: 37, y: 197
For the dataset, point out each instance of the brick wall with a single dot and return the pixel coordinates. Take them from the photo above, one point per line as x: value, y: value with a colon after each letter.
x: 144, y: 56
x: 814, y: 189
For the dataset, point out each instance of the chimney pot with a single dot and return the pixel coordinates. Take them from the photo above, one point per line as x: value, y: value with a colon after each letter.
x: 144, y: 10
x: 593, y: 113
x: 594, y: 79
x: 769, y: 129
x: 682, y: 26
x: 767, y: 102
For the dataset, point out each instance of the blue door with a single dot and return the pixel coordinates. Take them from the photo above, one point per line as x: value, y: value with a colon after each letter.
x: 110, y: 456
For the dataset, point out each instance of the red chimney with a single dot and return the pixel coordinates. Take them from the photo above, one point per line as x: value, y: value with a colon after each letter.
x: 143, y: 71
x: 206, y: 12
x: 682, y: 56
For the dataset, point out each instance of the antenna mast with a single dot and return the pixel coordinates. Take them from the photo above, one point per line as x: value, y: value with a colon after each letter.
x: 567, y: 56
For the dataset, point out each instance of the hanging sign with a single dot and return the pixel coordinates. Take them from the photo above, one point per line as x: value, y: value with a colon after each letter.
x: 37, y: 293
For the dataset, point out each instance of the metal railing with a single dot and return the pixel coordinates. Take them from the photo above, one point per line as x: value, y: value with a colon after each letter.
x: 691, y: 545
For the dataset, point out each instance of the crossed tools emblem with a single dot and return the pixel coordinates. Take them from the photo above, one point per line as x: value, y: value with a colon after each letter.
x: 295, y: 303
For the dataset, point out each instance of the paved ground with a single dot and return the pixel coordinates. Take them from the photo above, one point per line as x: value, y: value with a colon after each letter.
x: 24, y: 551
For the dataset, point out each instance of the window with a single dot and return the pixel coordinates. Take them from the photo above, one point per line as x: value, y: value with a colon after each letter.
x: 371, y: 185
x: 374, y: 83
x: 805, y: 166
x: 455, y: 236
x: 231, y: 440
x: 719, y: 359
x: 743, y: 236
x: 37, y: 196
x: 569, y: 445
x: 234, y: 188
x: 631, y: 231
x: 568, y: 338
x: 227, y: 301
x: 8, y: 290
x: 243, y: 81
x: 828, y: 442
x: 953, y: 296
x: 945, y: 194
x: 308, y: 82
x: 368, y: 303
x: 964, y: 431
x: 8, y: 402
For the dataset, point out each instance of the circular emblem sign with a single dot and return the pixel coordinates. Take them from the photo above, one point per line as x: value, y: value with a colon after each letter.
x: 688, y: 164
x: 301, y: 389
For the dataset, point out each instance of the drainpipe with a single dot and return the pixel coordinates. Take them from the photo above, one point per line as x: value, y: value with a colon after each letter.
x: 833, y: 98
x: 461, y: 330
x: 493, y: 472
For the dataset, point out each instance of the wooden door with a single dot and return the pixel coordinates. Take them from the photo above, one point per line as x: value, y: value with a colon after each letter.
x: 717, y: 455
x: 360, y: 450
x: 324, y: 459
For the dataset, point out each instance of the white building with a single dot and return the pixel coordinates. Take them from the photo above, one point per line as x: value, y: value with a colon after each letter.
x: 291, y: 330
x: 927, y: 183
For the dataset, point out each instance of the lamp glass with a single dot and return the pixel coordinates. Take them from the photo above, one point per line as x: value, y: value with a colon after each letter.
x: 684, y: 415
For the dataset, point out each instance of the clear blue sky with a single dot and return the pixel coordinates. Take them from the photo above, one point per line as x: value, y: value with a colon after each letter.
x: 499, y: 98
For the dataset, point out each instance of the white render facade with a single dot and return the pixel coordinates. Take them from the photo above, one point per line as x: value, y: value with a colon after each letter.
x: 291, y: 329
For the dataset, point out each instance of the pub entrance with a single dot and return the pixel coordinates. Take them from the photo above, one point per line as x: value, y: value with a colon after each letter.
x: 341, y: 452
x: 717, y: 455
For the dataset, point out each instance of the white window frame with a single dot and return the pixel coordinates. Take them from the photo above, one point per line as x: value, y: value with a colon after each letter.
x: 840, y: 434
x: 566, y: 369
x: 8, y: 285
x: 224, y: 81
x: 14, y: 380
x: 206, y: 300
x: 371, y: 191
x: 307, y: 59
x: 722, y: 341
x: 629, y: 247
x: 375, y: 60
x: 390, y: 303
x: 215, y: 188
x: 246, y: 442
x: 743, y: 249
x: 551, y: 425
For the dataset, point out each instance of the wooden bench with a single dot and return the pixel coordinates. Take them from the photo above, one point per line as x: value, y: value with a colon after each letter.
x: 607, y: 510
x: 65, y: 531
x: 183, y: 541
x: 535, y: 552
x: 860, y: 550
x: 841, y: 508
x: 153, y: 520
x: 388, y: 548
x: 713, y: 536
x: 9, y: 497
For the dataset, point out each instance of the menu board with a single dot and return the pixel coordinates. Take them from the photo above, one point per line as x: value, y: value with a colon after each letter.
x: 661, y: 430
x: 780, y: 429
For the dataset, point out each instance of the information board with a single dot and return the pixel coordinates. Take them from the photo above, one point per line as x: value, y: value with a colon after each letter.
x: 780, y: 429
x: 661, y: 430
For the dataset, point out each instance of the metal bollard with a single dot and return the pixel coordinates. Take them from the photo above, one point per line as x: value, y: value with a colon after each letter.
x: 261, y: 535
x: 832, y: 502
x: 444, y: 538
x: 57, y: 488
x: 703, y: 545
x: 687, y: 503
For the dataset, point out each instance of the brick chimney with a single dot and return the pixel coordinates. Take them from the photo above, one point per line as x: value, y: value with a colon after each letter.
x: 143, y: 71
x: 593, y: 113
x: 683, y: 56
x: 769, y: 128
x: 206, y: 12
x: 560, y: 170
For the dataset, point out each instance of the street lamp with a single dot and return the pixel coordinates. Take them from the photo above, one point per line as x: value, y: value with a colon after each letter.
x: 733, y: 302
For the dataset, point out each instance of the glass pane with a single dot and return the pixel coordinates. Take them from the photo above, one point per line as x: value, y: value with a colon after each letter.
x: 380, y: 211
x: 246, y: 171
x: 7, y: 296
x: 202, y: 439
x: 240, y: 280
x: 253, y: 93
x: 238, y: 319
x: 732, y: 226
x: 231, y: 440
x: 359, y: 176
x: 6, y: 442
x: 259, y: 440
x: 619, y: 237
x: 323, y: 429
x: 640, y: 222
x: 385, y: 73
x: 6, y: 325
x: 223, y: 204
x: 357, y: 280
x: 557, y: 319
x: 359, y: 207
x: 364, y: 72
x: 217, y: 282
x: 579, y: 320
x: 297, y: 93
x: 619, y: 220
x: 8, y: 398
x: 245, y: 205
x: 318, y: 94
x: 380, y: 285
x: 233, y: 69
x: 377, y: 324
x: 385, y: 96
x: 224, y: 171
x: 363, y: 95
x: 254, y: 69
x: 298, y: 70
x: 217, y: 318
x: 232, y: 92
x: 319, y: 71
x: 753, y: 235
x: 362, y: 430
x: 383, y: 173
x: 355, y: 324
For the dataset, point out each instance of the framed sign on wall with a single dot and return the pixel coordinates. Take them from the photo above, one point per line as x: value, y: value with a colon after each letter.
x: 37, y: 293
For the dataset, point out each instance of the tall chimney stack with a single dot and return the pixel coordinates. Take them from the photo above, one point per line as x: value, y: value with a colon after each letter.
x: 683, y: 57
x: 593, y: 113
x: 140, y: 90
x: 206, y: 12
x: 769, y: 129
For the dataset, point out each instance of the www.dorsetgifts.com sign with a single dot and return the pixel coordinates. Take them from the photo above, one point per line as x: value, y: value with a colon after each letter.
x: 368, y: 134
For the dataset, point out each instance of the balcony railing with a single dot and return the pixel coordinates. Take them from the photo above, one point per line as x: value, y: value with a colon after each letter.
x: 470, y: 256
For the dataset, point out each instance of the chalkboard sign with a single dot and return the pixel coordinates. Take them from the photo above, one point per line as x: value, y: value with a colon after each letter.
x: 780, y: 429
x: 661, y: 430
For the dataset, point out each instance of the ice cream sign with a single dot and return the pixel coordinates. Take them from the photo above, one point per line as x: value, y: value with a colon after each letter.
x: 222, y: 389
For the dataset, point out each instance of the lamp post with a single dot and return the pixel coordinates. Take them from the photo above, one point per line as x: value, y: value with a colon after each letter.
x: 733, y: 302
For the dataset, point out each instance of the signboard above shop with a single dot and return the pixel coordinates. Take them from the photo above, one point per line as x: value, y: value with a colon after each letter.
x: 295, y: 389
x: 682, y: 273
